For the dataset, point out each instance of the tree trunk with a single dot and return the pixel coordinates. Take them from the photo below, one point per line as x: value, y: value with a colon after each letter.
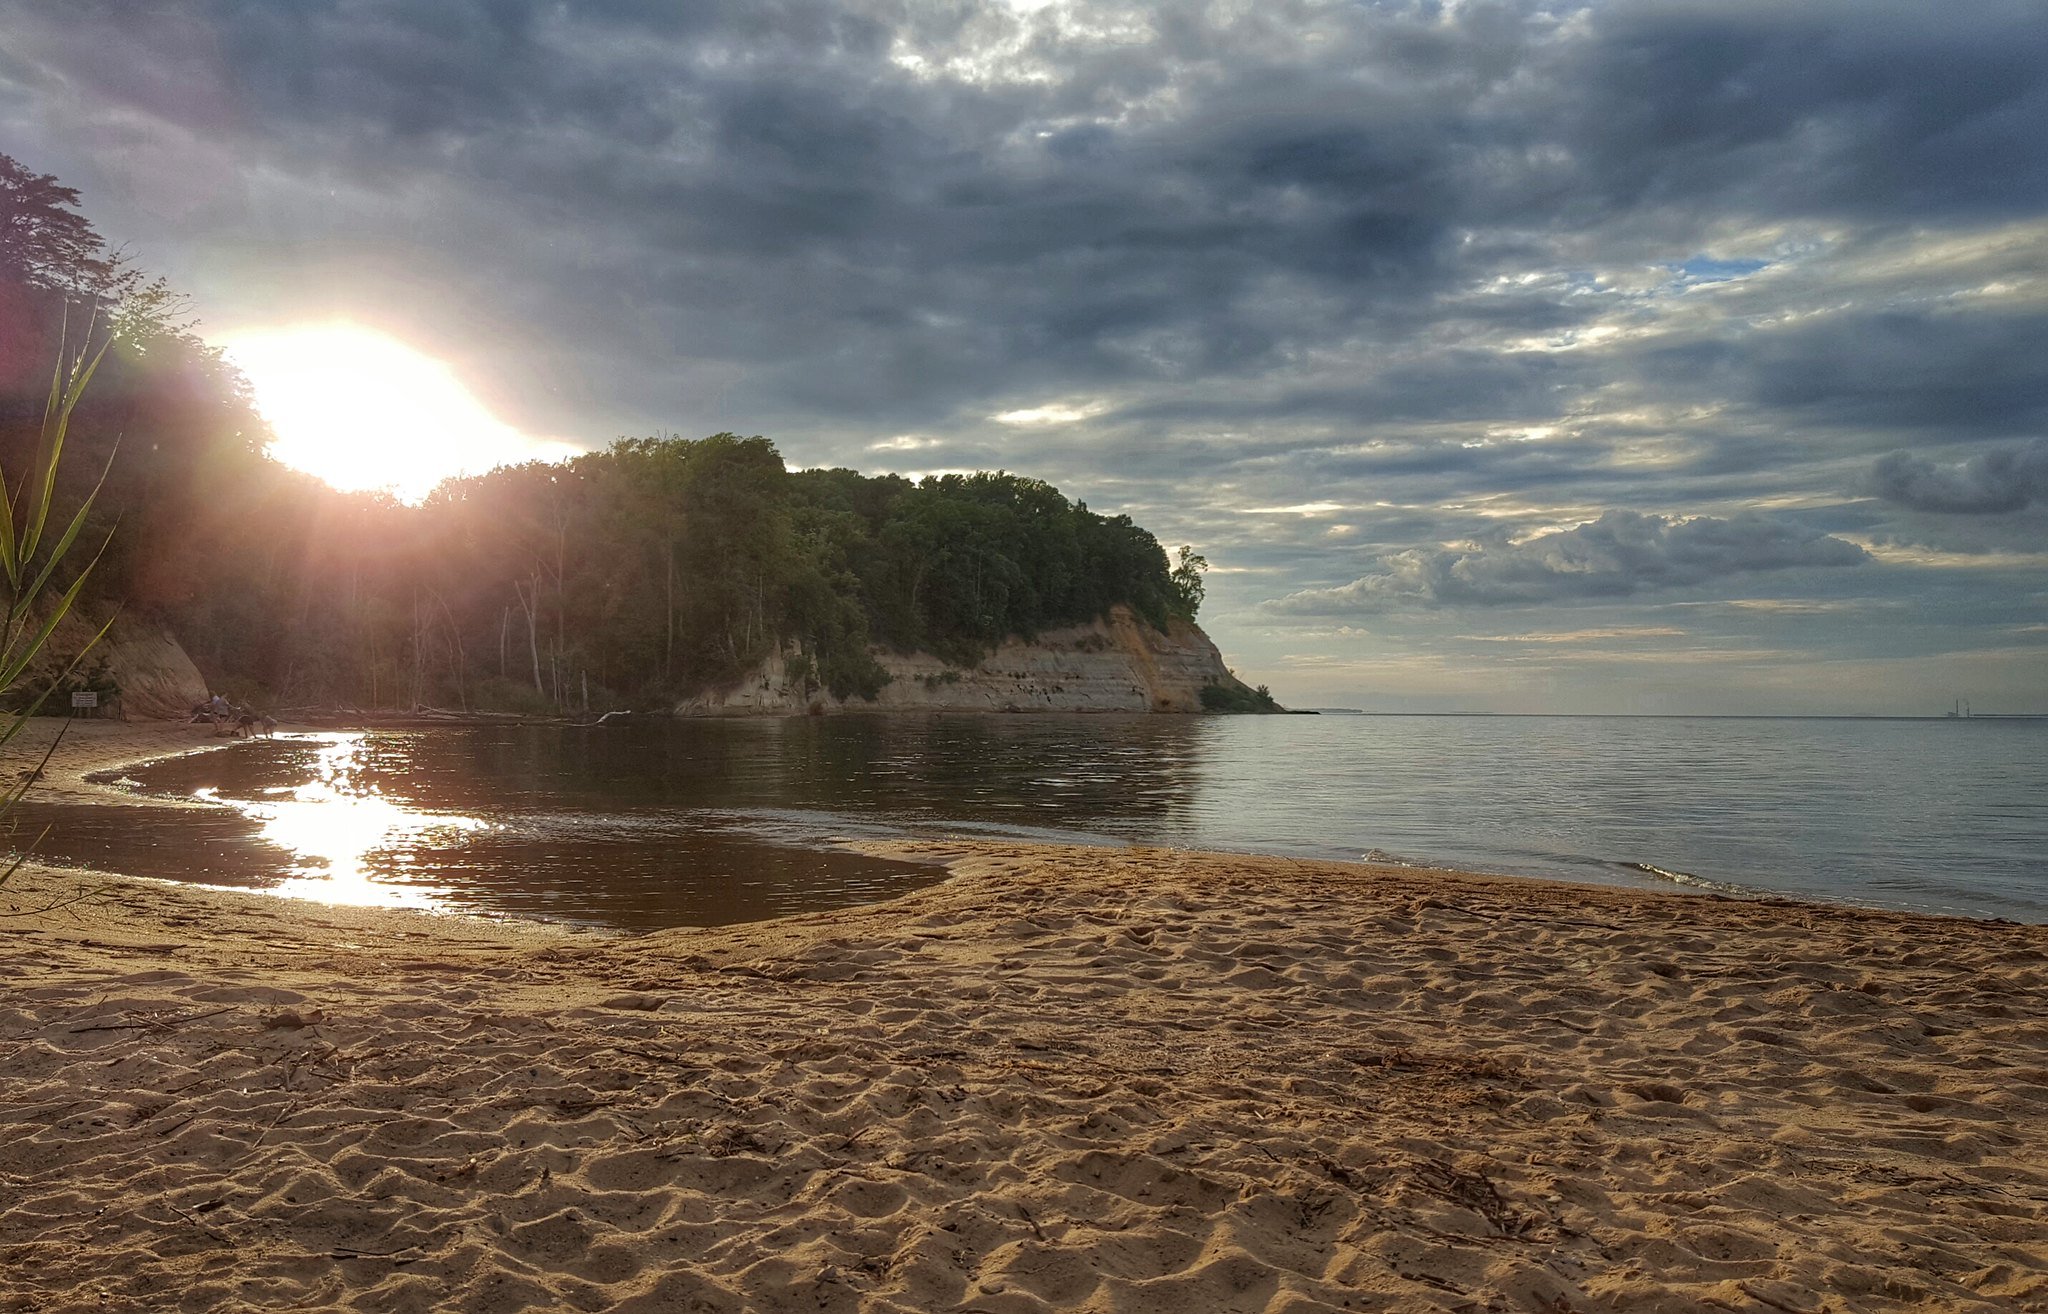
x: 461, y: 656
x: 531, y: 607
x: 419, y: 652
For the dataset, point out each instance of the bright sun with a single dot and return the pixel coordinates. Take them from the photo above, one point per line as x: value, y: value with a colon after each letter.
x: 362, y: 410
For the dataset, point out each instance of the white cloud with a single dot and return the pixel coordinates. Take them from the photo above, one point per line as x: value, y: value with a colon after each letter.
x: 1051, y: 413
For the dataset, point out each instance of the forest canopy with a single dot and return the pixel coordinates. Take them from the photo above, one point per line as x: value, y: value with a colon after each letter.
x: 628, y: 576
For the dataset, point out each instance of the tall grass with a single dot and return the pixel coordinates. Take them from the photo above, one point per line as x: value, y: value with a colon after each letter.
x: 34, y: 599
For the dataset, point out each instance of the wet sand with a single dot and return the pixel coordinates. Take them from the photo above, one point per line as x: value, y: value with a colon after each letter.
x: 1065, y: 1079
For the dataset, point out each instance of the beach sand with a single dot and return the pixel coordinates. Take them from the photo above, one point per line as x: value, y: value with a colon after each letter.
x: 1127, y: 1080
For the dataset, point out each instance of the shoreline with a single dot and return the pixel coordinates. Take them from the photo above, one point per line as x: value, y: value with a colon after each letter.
x: 97, y: 748
x: 94, y: 747
x: 1062, y: 1078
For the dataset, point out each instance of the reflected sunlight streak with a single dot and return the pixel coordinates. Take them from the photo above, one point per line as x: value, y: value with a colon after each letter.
x: 332, y: 825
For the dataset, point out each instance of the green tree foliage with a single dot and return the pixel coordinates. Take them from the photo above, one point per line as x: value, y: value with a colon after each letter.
x: 44, y: 242
x: 1238, y: 698
x: 1188, y: 588
x: 632, y: 575
x: 662, y: 566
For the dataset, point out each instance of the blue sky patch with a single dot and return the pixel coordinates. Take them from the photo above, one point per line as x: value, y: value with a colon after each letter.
x: 1706, y: 269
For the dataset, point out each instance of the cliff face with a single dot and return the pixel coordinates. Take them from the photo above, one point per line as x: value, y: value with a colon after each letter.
x: 155, y: 676
x: 1117, y: 664
x: 157, y: 679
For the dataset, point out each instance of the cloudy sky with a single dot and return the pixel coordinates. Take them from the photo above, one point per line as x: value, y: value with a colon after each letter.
x: 1673, y: 355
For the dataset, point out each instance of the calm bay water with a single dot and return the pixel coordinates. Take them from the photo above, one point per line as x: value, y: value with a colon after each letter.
x: 674, y: 823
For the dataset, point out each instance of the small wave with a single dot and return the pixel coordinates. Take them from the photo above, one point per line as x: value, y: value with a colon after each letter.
x: 1386, y: 859
x: 783, y: 829
x: 1691, y: 881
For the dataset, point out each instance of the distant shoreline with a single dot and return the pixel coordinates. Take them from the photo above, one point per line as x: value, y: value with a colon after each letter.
x: 1695, y: 716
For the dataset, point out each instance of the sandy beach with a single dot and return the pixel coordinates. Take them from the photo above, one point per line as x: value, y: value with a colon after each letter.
x: 1128, y: 1080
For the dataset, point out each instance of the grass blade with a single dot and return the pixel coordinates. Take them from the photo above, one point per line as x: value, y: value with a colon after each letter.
x: 46, y: 490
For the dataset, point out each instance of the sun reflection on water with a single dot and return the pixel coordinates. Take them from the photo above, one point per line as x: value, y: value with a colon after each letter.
x: 334, y: 823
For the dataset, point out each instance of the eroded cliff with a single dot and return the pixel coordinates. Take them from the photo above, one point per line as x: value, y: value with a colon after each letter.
x: 1116, y: 664
x: 154, y: 675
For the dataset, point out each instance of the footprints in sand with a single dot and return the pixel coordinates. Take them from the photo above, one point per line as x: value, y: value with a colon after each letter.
x: 1107, y: 1082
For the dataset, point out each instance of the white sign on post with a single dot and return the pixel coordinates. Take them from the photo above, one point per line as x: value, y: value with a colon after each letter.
x: 79, y: 700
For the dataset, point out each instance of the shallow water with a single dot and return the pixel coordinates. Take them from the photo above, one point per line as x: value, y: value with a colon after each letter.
x: 696, y: 822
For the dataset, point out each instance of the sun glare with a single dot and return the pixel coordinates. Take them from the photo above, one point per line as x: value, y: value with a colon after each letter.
x: 335, y: 823
x: 362, y: 410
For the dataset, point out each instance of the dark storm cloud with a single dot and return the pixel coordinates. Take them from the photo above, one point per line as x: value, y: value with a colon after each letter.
x: 1455, y: 384
x: 1620, y: 554
x: 1958, y: 373
x: 2005, y: 479
x: 762, y: 185
x: 1891, y: 110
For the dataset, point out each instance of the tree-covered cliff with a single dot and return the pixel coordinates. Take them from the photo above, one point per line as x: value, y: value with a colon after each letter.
x: 632, y: 575
x: 662, y: 566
